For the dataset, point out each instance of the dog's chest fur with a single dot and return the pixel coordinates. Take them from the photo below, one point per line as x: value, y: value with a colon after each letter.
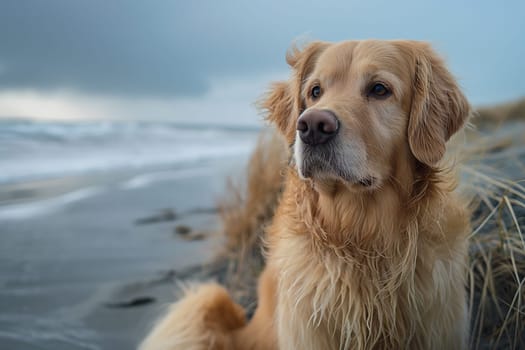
x: 328, y: 299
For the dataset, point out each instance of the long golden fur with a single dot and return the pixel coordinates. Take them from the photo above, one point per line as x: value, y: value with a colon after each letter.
x: 368, y: 245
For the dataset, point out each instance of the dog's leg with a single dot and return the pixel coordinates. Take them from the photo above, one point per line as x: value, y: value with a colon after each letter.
x: 260, y: 333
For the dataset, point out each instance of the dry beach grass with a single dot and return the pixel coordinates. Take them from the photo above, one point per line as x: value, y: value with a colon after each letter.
x: 514, y: 110
x: 493, y: 173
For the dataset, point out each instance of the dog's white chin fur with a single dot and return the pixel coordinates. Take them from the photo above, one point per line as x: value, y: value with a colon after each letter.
x: 351, y: 160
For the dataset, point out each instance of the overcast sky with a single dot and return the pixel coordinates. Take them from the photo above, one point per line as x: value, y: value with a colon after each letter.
x: 209, y: 60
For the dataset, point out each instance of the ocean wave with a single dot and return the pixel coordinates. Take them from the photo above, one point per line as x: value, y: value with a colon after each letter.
x: 62, y: 131
x: 144, y: 180
x: 45, y: 206
x: 33, y: 150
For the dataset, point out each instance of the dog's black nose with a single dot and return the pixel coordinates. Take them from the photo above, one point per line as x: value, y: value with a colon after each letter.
x: 317, y: 126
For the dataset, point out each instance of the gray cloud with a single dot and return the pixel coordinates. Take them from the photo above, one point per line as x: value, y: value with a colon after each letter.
x: 127, y: 47
x: 173, y: 48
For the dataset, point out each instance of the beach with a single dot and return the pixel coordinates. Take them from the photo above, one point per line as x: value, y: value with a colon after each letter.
x: 88, y: 259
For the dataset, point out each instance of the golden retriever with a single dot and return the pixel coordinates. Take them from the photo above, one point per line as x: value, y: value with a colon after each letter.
x: 368, y: 246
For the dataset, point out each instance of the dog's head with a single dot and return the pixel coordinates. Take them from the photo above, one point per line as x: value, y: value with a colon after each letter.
x: 352, y: 109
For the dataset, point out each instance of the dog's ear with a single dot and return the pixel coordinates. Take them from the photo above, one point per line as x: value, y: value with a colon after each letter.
x: 283, y: 102
x: 279, y: 105
x: 439, y: 108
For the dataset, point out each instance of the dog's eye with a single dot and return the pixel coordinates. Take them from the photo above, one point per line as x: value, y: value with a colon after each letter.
x: 316, y: 92
x: 379, y: 90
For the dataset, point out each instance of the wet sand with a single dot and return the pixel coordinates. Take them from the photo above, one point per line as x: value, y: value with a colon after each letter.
x: 87, y: 263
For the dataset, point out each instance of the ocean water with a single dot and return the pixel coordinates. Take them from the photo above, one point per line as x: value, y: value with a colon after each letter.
x: 46, y: 167
x: 42, y: 150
